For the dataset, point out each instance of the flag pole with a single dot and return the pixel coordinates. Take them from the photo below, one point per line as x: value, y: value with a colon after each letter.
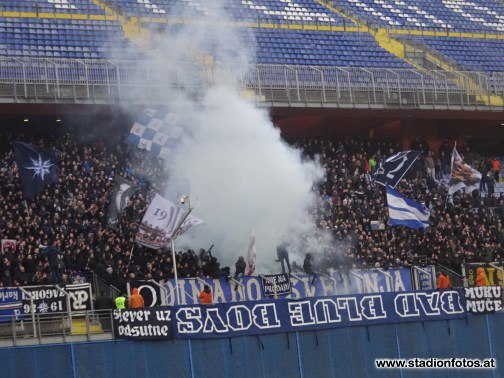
x: 131, y: 254
x: 446, y: 201
x: 172, y: 240
x: 406, y: 171
x: 451, y: 172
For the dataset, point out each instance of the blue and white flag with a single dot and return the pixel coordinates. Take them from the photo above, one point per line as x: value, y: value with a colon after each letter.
x: 406, y: 212
x: 156, y: 131
x: 392, y: 170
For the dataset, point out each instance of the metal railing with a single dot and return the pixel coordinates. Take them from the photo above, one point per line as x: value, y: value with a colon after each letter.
x: 86, y: 11
x: 55, y: 328
x: 108, y: 81
x: 99, y: 286
x: 456, y: 279
x: 431, y: 32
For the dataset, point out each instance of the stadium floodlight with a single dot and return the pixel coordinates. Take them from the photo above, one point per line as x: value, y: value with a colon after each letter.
x: 185, y: 199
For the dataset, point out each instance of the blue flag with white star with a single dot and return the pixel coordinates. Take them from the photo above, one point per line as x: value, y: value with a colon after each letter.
x: 37, y: 167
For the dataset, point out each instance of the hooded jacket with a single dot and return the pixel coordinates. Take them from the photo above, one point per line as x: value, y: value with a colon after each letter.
x: 443, y: 282
x: 206, y: 296
x: 240, y: 266
x: 480, y: 277
x: 136, y: 300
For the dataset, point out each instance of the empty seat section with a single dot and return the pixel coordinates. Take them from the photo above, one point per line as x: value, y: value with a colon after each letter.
x: 284, y: 11
x: 320, y: 48
x: 52, y: 6
x: 64, y: 38
x: 480, y: 16
x: 471, y: 54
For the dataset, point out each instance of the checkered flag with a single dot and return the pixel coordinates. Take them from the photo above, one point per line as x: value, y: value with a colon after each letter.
x: 156, y: 131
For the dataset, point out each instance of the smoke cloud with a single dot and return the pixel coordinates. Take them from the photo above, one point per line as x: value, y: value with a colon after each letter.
x: 242, y: 177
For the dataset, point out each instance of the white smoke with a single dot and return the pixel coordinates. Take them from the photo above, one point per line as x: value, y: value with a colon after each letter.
x: 241, y: 175
x: 245, y: 177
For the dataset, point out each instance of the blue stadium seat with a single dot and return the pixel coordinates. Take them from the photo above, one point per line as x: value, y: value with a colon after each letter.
x: 476, y: 16
x: 295, y: 12
x: 41, y: 38
x: 471, y: 54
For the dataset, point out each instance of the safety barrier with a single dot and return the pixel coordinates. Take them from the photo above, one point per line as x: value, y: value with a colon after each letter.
x: 56, y: 327
x: 107, y: 81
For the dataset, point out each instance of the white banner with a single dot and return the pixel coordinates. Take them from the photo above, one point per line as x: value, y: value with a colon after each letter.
x: 159, y: 222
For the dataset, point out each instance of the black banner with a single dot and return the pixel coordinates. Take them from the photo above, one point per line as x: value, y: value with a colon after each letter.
x: 150, y: 292
x: 392, y: 170
x: 80, y: 296
x: 282, y: 282
x: 143, y: 324
x: 483, y: 299
x: 46, y: 300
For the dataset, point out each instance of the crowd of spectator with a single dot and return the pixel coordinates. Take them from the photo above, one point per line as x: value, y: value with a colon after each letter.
x: 72, y: 214
x: 463, y: 229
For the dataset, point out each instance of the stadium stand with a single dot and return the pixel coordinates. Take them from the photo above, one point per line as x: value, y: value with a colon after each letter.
x: 338, y: 55
x: 471, y: 54
x: 65, y: 38
x: 322, y: 48
x: 365, y: 63
x: 244, y: 11
x: 75, y: 36
x: 428, y: 15
x: 52, y: 6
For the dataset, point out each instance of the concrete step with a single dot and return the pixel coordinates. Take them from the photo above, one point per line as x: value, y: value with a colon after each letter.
x: 79, y: 327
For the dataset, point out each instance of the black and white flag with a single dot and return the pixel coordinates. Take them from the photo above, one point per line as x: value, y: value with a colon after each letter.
x: 123, y: 190
x: 80, y: 297
x: 462, y: 175
x: 37, y: 167
x: 393, y: 169
x: 160, y: 221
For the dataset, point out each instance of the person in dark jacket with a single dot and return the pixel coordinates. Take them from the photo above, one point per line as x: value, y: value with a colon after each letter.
x: 283, y: 255
x: 309, y: 268
x: 52, y: 252
x: 240, y: 268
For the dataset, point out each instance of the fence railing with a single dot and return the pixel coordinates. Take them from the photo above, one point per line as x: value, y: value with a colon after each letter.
x: 101, y: 287
x: 108, y: 81
x: 55, y: 328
